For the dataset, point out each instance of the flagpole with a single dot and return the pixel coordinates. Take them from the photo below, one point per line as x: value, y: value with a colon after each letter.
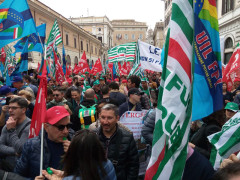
x: 41, y: 154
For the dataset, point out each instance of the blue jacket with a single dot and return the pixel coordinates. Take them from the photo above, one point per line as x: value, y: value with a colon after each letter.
x: 28, y: 164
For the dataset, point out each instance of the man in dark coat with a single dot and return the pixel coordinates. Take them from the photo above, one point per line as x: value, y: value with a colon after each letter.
x: 119, y: 144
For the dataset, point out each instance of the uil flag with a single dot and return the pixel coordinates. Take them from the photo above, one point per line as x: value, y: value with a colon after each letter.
x: 24, y: 58
x: 3, y: 56
x: 39, y: 111
x: 59, y: 70
x: 232, y: 69
x: 97, y: 68
x: 16, y: 21
x: 173, y: 114
x: 83, y: 64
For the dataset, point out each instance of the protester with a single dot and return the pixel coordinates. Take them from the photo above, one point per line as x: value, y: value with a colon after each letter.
x: 96, y: 87
x: 76, y: 97
x: 85, y: 159
x: 28, y: 81
x: 123, y: 87
x: 56, y: 128
x: 133, y: 103
x: 106, y: 96
x: 115, y: 93
x: 19, y: 85
x: 49, y: 95
x: 227, y: 96
x: 85, y: 114
x: 231, y: 109
x: 14, y: 133
x: 119, y: 144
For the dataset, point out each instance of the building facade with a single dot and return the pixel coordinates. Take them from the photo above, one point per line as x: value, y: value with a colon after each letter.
x: 229, y: 26
x: 128, y: 30
x: 167, y: 15
x: 75, y: 39
x: 158, y: 35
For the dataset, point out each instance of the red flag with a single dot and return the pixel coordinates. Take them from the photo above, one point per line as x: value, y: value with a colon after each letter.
x: 128, y: 67
x: 124, y: 70
x: 232, y: 69
x: 59, y: 70
x: 83, y: 64
x: 110, y: 66
x: 39, y: 111
x: 3, y: 56
x: 97, y: 68
x: 38, y: 68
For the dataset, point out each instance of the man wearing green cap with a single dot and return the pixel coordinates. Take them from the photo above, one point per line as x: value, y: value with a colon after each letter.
x: 231, y: 109
x: 144, y: 83
x: 96, y: 88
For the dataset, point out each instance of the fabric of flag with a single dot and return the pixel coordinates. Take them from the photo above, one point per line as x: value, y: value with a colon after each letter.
x: 24, y: 59
x: 124, y: 70
x: 225, y: 142
x: 97, y: 68
x: 76, y: 69
x: 16, y: 21
x: 7, y: 63
x: 207, y: 86
x: 232, y: 70
x: 64, y: 60
x: 35, y: 41
x: 110, y: 67
x: 3, y: 56
x: 136, y: 69
x: 173, y: 113
x: 83, y: 64
x: 39, y: 112
x: 54, y: 38
x: 123, y: 52
x: 59, y: 72
x: 40, y: 68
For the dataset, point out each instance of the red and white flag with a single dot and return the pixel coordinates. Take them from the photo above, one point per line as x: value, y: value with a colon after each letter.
x: 3, y: 56
x: 39, y: 111
x: 232, y: 69
x: 124, y: 70
x: 59, y: 71
x: 97, y: 68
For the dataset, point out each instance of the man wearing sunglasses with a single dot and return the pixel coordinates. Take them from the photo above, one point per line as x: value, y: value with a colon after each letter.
x: 14, y: 133
x: 56, y: 143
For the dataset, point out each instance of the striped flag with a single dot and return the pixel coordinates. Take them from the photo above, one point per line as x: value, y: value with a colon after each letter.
x: 123, y: 52
x: 225, y: 142
x: 173, y: 115
x: 54, y: 38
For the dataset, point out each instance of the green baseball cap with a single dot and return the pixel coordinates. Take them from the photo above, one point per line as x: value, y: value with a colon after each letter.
x: 96, y: 83
x: 144, y: 79
x: 232, y: 106
x: 86, y: 72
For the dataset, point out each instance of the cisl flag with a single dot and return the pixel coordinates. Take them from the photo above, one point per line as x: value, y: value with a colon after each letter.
x: 232, y: 69
x: 97, y: 68
x: 39, y: 111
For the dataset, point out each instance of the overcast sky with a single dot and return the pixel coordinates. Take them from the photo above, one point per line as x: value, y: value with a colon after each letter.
x: 150, y: 11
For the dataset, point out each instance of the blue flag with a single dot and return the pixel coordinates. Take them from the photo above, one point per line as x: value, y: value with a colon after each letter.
x: 64, y: 60
x: 16, y: 21
x: 207, y: 85
x: 35, y: 40
x: 24, y: 59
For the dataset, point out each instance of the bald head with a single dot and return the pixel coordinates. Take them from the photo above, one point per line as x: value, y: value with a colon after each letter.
x: 89, y: 94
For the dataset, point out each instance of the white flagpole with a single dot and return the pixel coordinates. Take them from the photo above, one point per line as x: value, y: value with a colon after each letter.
x: 42, y: 130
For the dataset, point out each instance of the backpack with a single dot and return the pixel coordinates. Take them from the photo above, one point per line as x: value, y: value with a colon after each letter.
x: 87, y: 112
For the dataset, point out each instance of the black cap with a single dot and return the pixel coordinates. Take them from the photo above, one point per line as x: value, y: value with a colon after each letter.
x: 135, y: 91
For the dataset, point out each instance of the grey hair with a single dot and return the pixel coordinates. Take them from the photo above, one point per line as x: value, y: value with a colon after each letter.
x: 112, y: 107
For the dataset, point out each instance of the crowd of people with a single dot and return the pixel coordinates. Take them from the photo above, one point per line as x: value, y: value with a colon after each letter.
x: 83, y: 138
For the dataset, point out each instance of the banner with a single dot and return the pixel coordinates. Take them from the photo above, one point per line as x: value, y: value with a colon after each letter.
x: 150, y: 57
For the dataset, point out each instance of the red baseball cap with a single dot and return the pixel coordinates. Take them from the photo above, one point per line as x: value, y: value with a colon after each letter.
x: 55, y: 114
x: 116, y: 79
x: 124, y: 81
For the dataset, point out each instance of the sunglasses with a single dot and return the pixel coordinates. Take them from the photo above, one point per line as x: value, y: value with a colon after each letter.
x: 62, y: 127
x: 56, y: 95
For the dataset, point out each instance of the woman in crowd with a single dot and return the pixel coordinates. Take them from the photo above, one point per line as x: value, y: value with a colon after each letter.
x: 227, y: 96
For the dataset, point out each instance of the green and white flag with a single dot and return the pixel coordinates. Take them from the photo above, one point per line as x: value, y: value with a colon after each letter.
x: 54, y: 38
x: 123, y: 52
x: 174, y: 110
x: 225, y: 142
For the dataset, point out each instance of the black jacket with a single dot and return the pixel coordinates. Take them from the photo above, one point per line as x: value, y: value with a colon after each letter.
x: 119, y: 97
x: 76, y: 125
x: 121, y: 149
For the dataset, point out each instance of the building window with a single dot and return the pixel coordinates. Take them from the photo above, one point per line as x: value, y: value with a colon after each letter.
x: 99, y: 29
x: 227, y: 5
x: 228, y: 43
x: 119, y: 36
x: 68, y: 59
x: 95, y: 50
x: 100, y: 38
x: 140, y: 36
x: 81, y: 45
x: 75, y: 43
x: 76, y: 60
x: 67, y: 39
x: 91, y: 49
x: 87, y: 47
x: 133, y: 36
x: 125, y: 36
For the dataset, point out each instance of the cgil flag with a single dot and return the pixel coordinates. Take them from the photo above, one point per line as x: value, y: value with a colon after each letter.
x: 16, y: 21
x: 173, y: 113
x: 58, y: 70
x: 35, y: 40
x: 123, y: 52
x: 207, y: 86
x: 225, y: 142
x: 39, y: 111
x: 97, y: 68
x: 54, y: 38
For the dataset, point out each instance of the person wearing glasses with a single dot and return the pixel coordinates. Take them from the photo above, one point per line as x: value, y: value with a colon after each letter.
x: 14, y: 133
x: 133, y: 103
x: 57, y: 137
